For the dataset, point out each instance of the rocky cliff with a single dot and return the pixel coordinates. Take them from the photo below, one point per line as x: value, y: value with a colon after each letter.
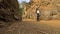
x: 9, y: 11
x: 49, y: 9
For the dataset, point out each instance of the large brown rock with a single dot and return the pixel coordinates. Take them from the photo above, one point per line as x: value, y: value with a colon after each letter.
x: 50, y: 9
x: 9, y: 11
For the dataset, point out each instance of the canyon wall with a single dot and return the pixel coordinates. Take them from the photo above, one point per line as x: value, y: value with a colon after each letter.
x: 49, y: 9
x: 9, y: 12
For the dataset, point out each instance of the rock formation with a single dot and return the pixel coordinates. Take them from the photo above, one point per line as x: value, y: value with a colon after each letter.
x: 9, y: 11
x: 49, y: 9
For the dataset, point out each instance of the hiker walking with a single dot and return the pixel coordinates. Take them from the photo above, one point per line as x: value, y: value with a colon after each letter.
x: 38, y: 14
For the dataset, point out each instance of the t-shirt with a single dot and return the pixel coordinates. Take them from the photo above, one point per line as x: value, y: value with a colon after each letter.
x: 38, y: 11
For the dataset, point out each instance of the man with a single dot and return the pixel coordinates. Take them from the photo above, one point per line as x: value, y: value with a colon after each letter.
x: 38, y: 14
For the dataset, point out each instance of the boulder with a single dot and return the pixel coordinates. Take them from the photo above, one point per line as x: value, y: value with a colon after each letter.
x: 9, y: 11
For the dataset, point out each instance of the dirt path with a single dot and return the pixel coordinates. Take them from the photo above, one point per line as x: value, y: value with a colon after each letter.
x: 33, y: 27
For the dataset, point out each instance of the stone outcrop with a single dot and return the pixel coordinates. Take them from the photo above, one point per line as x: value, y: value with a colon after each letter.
x: 49, y: 9
x: 9, y: 11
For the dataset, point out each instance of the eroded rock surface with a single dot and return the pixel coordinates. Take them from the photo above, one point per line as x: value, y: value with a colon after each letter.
x: 47, y: 9
x: 9, y: 11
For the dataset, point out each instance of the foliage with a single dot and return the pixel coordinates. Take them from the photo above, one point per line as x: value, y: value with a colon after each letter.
x: 21, y: 10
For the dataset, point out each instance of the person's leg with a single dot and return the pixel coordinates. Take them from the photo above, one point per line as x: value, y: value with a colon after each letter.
x: 37, y: 17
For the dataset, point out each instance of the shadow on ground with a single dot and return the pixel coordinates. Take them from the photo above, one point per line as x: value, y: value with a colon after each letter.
x: 31, y: 27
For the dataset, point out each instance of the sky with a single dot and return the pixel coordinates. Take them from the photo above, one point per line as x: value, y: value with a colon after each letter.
x: 20, y: 1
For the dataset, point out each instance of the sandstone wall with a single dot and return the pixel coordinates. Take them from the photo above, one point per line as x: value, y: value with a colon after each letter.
x: 50, y: 9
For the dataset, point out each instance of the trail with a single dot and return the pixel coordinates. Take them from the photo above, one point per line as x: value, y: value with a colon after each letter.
x: 34, y: 27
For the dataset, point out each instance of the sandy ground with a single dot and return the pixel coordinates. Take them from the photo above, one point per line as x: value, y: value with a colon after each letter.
x: 34, y: 27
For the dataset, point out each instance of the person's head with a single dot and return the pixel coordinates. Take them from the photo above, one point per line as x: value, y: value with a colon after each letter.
x: 37, y: 8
